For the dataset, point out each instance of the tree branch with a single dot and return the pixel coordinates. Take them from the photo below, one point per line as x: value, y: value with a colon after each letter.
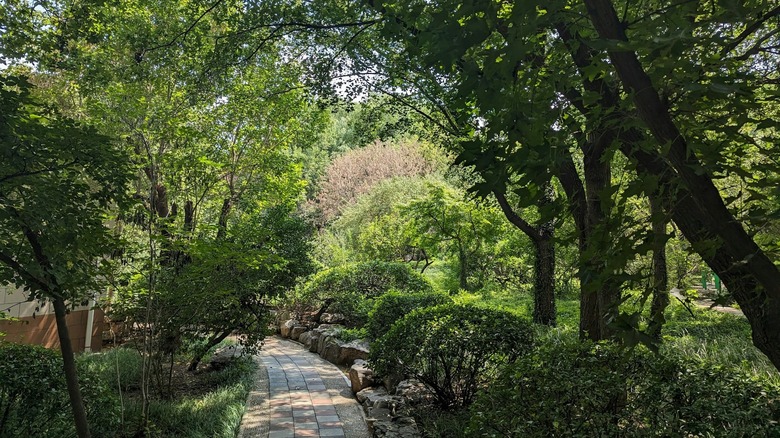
x: 515, y: 219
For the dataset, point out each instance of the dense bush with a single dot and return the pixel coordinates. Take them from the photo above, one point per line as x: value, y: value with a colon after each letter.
x: 350, y: 288
x: 394, y: 305
x: 455, y: 349
x: 34, y: 400
x: 119, y: 368
x: 574, y: 389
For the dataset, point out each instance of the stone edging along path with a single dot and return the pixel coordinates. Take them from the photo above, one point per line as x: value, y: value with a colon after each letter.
x: 299, y: 394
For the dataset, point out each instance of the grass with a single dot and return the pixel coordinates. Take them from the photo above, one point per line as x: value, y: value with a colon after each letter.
x: 212, y: 406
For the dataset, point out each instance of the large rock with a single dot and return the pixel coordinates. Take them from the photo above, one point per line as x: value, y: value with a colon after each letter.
x: 352, y: 351
x: 401, y: 427
x: 305, y: 339
x: 379, y: 398
x: 297, y: 331
x: 415, y: 392
x: 317, y: 334
x: 331, y: 349
x: 360, y: 376
x: 332, y: 318
x: 287, y: 327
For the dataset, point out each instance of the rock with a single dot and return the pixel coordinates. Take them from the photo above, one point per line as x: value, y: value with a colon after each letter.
x: 287, y: 327
x: 415, y: 392
x: 329, y: 331
x: 402, y: 427
x: 360, y: 376
x: 378, y: 398
x: 331, y: 349
x: 295, y: 332
x: 314, y: 340
x: 223, y: 357
x: 352, y: 351
x: 305, y: 339
x: 332, y: 318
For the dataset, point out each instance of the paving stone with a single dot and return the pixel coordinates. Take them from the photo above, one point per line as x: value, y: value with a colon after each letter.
x: 304, y: 397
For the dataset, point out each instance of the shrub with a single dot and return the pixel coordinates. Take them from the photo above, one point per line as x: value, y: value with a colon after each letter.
x: 453, y: 349
x: 350, y: 288
x: 574, y: 389
x: 34, y: 400
x: 394, y: 305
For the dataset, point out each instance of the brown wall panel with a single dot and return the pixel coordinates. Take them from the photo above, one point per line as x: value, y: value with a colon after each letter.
x: 42, y: 330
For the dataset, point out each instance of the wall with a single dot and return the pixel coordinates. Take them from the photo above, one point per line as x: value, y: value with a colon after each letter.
x: 40, y: 327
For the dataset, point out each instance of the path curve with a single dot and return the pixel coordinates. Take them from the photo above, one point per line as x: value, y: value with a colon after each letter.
x: 299, y: 394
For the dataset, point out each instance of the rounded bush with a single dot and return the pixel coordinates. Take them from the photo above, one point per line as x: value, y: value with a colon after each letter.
x: 454, y: 349
x: 350, y: 288
x: 394, y: 305
x: 581, y: 389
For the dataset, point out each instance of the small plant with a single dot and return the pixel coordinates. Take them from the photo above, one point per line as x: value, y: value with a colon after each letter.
x: 453, y: 349
x: 394, y: 305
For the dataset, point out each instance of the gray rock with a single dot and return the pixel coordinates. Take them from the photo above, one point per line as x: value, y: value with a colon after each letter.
x: 305, y: 339
x: 332, y: 318
x: 329, y: 331
x: 331, y: 349
x: 287, y: 327
x: 370, y: 394
x: 379, y: 398
x: 360, y: 376
x: 402, y: 427
x: 352, y: 351
x: 415, y: 392
x: 295, y: 332
x: 314, y: 340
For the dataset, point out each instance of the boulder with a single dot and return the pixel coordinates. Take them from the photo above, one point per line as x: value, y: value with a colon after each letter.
x: 401, y: 427
x: 305, y: 339
x: 360, y: 376
x: 379, y: 398
x: 332, y: 318
x: 331, y: 349
x: 352, y: 351
x: 415, y: 392
x: 295, y: 332
x: 287, y: 327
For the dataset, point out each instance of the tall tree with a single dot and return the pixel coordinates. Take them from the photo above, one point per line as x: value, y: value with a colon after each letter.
x: 57, y: 181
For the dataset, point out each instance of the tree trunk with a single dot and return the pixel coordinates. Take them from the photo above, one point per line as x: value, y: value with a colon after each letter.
x: 544, y: 282
x: 597, y: 285
x: 69, y: 367
x: 463, y: 274
x: 660, y: 276
x: 703, y: 217
x: 227, y: 205
x: 216, y: 339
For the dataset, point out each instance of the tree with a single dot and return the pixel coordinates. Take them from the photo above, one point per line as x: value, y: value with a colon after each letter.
x: 57, y: 181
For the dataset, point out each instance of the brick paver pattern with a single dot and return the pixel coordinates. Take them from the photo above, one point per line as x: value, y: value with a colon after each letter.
x: 299, y: 404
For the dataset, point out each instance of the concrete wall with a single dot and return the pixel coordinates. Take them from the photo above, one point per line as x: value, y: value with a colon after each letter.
x: 40, y: 327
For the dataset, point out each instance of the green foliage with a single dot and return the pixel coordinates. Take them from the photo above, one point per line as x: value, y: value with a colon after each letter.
x: 34, y: 400
x: 216, y: 413
x: 573, y: 389
x: 351, y: 288
x: 57, y: 180
x: 119, y: 368
x: 394, y: 305
x: 455, y: 349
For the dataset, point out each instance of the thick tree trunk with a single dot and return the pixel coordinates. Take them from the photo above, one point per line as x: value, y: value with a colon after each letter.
x: 544, y: 282
x: 660, y: 276
x: 544, y: 272
x: 69, y: 367
x: 227, y: 206
x: 703, y: 217
x: 596, y: 281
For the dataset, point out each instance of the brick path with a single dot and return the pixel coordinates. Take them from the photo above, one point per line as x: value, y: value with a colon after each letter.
x: 298, y: 394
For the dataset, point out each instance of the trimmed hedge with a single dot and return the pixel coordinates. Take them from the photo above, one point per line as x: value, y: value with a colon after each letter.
x: 394, y: 305
x: 454, y: 349
x: 578, y: 389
